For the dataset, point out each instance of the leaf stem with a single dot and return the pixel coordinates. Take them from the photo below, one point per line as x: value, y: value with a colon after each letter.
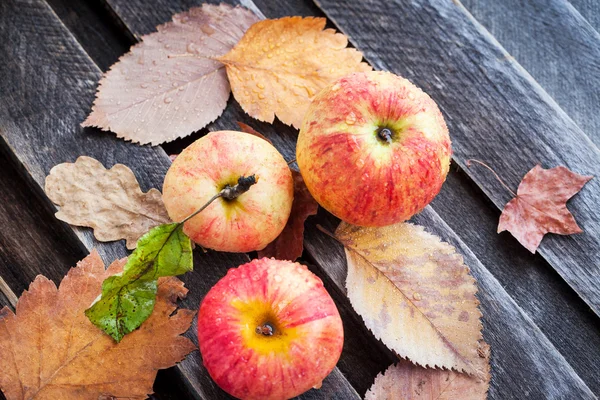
x: 469, y: 161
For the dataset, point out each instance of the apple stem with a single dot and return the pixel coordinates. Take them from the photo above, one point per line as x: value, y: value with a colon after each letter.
x: 265, y: 329
x: 228, y: 193
x: 468, y: 162
x: 291, y: 161
x: 385, y: 134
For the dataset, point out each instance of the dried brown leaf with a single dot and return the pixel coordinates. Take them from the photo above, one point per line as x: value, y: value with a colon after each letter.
x: 407, y: 381
x: 279, y: 65
x: 50, y: 350
x: 109, y: 201
x: 290, y: 242
x: 168, y: 85
x: 540, y: 206
x: 415, y: 293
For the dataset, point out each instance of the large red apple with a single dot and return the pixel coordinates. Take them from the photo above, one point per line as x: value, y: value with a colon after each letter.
x: 219, y: 159
x: 269, y: 330
x: 373, y: 149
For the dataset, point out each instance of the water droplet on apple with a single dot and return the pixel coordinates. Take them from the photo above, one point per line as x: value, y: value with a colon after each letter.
x: 277, y: 278
x: 417, y: 296
x: 360, y: 163
x: 168, y: 100
x: 351, y: 118
x: 144, y: 85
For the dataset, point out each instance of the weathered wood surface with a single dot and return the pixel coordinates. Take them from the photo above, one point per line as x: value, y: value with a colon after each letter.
x: 556, y: 45
x: 50, y: 92
x: 495, y: 111
x: 284, y: 138
x: 590, y: 10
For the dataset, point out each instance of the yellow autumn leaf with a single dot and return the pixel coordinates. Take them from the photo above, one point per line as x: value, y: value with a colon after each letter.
x: 415, y: 294
x: 279, y: 65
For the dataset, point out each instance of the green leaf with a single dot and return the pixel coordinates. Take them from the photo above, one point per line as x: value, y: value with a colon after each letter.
x: 128, y: 298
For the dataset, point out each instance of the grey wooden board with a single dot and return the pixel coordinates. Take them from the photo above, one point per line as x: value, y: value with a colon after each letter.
x: 590, y: 10
x: 283, y: 138
x: 556, y: 45
x: 495, y: 111
x: 91, y: 23
x: 50, y: 90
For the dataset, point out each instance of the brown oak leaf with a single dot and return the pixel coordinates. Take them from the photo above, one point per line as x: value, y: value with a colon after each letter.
x: 170, y: 85
x: 109, y: 201
x: 290, y: 242
x: 280, y: 65
x: 415, y: 294
x: 540, y: 205
x: 50, y: 350
x: 407, y: 381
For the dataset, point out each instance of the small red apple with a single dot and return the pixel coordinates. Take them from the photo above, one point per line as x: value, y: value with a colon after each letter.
x: 269, y: 330
x: 246, y: 223
x: 373, y: 149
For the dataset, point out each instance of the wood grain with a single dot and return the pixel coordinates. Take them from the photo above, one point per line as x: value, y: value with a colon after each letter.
x: 41, y: 128
x: 556, y: 45
x: 98, y: 33
x: 590, y: 10
x: 495, y: 111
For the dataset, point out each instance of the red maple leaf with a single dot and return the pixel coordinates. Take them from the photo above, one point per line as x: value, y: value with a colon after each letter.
x: 540, y: 204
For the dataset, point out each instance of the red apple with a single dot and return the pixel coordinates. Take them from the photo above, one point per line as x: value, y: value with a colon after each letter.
x: 217, y: 160
x: 269, y: 330
x: 373, y: 149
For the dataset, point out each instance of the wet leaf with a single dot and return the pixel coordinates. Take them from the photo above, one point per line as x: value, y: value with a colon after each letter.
x: 128, y: 298
x: 279, y: 65
x: 540, y: 206
x: 49, y: 349
x: 415, y: 294
x: 170, y: 85
x: 407, y: 381
x: 109, y: 201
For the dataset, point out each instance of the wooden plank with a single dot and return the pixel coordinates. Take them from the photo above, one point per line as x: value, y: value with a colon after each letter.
x: 284, y: 139
x: 495, y: 111
x: 556, y: 45
x: 590, y: 10
x: 97, y: 32
x: 50, y: 91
